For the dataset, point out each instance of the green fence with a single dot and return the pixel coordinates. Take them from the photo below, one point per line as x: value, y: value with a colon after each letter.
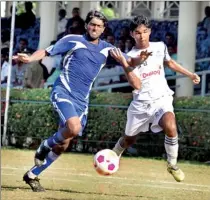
x: 31, y: 119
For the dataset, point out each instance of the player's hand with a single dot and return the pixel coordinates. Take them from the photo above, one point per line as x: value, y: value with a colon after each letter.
x: 144, y: 55
x: 195, y: 78
x: 22, y: 57
x: 118, y: 56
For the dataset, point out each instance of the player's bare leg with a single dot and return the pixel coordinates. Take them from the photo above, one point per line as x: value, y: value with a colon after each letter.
x: 123, y: 143
x: 168, y: 123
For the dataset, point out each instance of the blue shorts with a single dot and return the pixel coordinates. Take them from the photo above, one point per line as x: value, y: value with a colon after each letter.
x: 67, y: 108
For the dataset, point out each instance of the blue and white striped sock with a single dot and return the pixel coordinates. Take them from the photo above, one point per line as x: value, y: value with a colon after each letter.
x: 35, y: 171
x: 171, y: 147
x: 57, y: 138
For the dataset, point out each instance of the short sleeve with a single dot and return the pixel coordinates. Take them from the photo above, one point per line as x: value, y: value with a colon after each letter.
x: 62, y: 46
x: 167, y: 57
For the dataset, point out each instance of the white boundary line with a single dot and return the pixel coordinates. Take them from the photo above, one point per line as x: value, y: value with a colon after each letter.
x: 126, y: 184
x: 114, y: 178
x: 106, y: 177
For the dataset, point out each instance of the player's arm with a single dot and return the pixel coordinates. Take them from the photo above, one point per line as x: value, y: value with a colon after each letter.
x: 37, y: 55
x: 61, y: 46
x: 131, y: 76
x: 172, y: 64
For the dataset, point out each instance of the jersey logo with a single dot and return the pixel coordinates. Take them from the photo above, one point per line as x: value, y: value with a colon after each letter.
x: 144, y: 63
x: 155, y: 72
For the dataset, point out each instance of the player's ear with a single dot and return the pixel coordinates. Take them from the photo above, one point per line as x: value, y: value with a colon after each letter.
x: 104, y: 28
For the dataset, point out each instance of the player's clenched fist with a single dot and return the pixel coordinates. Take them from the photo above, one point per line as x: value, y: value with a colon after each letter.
x: 195, y: 78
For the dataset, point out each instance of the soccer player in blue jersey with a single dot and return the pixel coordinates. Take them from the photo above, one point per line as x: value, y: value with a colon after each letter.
x: 85, y: 55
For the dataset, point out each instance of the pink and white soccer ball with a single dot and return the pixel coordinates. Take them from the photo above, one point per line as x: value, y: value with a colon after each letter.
x: 106, y: 162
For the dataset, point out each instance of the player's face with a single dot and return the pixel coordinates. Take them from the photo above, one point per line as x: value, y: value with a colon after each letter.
x: 141, y: 35
x: 95, y: 28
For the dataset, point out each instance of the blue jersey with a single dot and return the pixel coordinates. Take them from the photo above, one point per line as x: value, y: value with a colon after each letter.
x: 81, y: 65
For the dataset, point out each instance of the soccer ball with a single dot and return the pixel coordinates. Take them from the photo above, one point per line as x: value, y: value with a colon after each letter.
x: 106, y: 162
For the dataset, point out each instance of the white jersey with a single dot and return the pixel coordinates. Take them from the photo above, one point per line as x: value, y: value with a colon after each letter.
x: 151, y: 72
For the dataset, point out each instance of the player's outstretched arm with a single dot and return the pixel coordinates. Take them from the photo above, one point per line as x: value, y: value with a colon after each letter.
x: 178, y: 68
x: 37, y: 55
x: 134, y: 81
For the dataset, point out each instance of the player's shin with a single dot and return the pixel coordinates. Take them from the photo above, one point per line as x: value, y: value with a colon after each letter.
x: 171, y: 147
x: 118, y: 148
x: 36, y: 170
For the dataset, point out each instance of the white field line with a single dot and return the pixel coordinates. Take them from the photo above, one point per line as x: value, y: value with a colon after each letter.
x: 56, y: 171
x: 28, y: 167
x: 126, y: 184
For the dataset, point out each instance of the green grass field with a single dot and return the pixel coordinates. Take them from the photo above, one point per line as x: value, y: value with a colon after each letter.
x: 72, y: 177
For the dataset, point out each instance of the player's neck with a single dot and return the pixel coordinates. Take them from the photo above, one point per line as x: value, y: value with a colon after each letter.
x: 94, y: 41
x: 142, y: 46
x: 91, y: 40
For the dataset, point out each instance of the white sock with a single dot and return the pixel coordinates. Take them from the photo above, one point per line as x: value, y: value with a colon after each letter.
x: 118, y: 149
x: 31, y: 175
x: 171, y: 147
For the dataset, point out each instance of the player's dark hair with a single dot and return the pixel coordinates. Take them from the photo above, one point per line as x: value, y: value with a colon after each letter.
x: 97, y: 14
x: 139, y: 20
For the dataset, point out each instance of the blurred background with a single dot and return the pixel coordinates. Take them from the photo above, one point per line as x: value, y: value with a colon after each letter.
x: 183, y: 26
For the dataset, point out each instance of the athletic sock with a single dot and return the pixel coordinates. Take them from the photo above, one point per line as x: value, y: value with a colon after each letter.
x: 118, y: 149
x: 171, y: 147
x: 35, y: 171
x: 57, y: 138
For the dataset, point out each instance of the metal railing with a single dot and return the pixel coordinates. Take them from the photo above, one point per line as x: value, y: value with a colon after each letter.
x: 109, y: 87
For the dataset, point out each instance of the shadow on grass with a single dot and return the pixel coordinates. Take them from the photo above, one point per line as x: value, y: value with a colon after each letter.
x: 11, y: 188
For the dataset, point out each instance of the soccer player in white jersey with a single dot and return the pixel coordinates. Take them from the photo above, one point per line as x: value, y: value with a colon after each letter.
x: 85, y: 55
x: 153, y: 102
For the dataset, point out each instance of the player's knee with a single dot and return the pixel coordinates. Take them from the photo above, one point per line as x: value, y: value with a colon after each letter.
x: 74, y: 131
x: 171, y: 129
x: 74, y: 128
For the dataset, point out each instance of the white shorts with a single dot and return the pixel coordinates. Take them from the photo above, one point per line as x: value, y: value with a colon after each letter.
x: 141, y: 114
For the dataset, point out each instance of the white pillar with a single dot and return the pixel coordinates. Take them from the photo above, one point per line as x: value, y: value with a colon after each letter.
x: 188, y: 18
x: 7, y: 10
x: 37, y: 9
x: 87, y: 6
x: 158, y: 9
x: 48, y: 23
x: 125, y: 9
x: 70, y: 6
